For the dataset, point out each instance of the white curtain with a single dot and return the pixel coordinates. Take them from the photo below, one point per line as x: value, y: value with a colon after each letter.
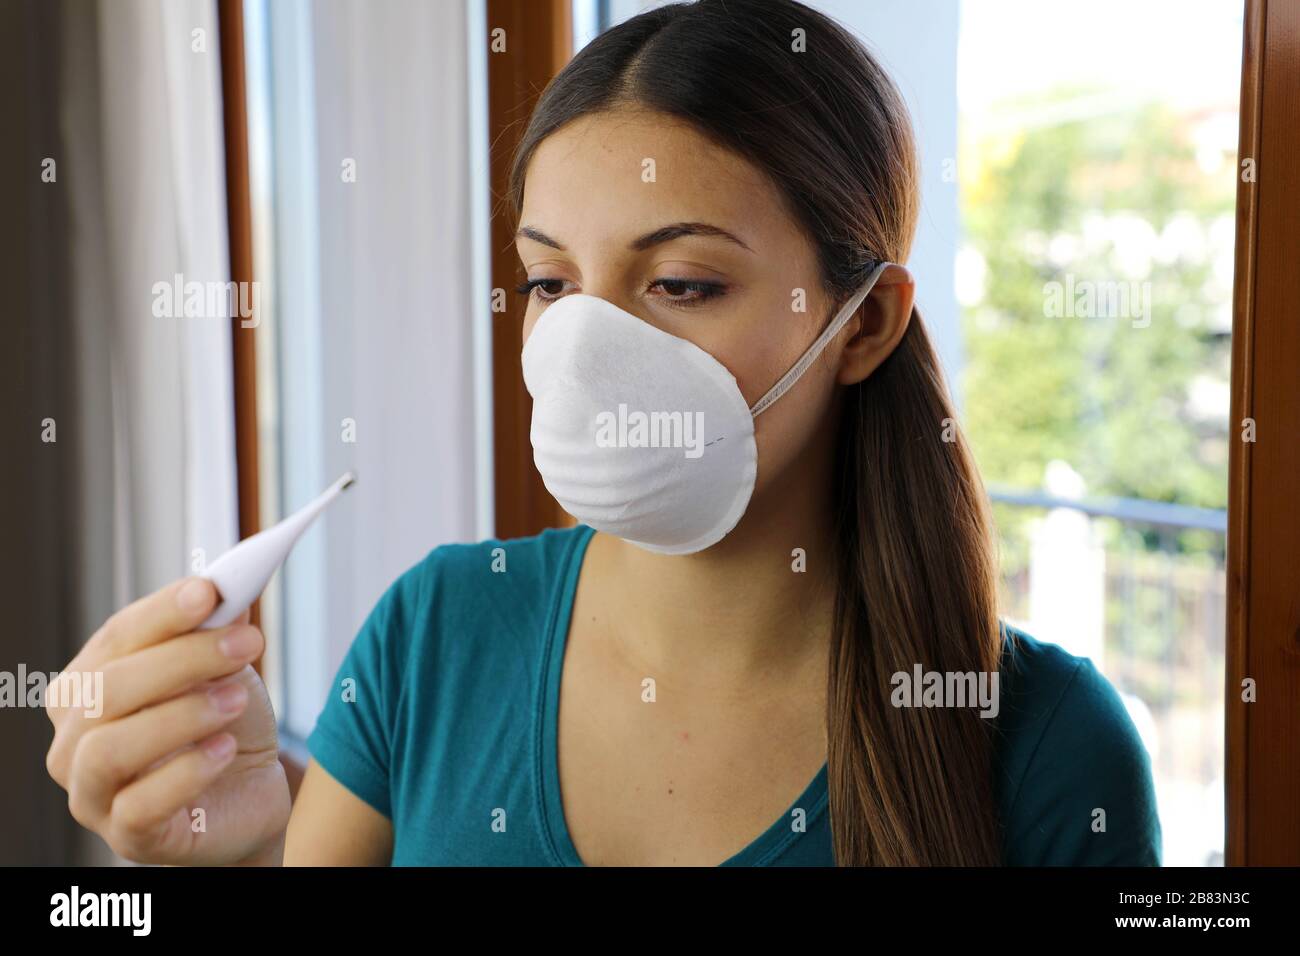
x: 144, y: 166
x: 143, y: 129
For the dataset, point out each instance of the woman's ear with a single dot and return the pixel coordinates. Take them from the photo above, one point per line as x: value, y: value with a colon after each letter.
x: 878, y: 326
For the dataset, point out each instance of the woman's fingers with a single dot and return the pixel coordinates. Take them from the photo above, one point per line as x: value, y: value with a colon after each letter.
x: 142, y: 809
x: 171, y: 708
x: 164, y: 670
x: 178, y: 608
x: 150, y: 676
x: 109, y: 755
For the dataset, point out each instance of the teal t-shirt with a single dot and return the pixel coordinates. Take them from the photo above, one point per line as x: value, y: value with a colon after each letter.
x: 443, y: 718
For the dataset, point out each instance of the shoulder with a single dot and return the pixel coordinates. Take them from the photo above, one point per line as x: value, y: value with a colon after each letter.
x: 451, y: 645
x: 502, y: 587
x: 1075, y: 784
x: 1050, y: 695
x: 481, y: 569
x: 498, y: 576
x: 464, y: 614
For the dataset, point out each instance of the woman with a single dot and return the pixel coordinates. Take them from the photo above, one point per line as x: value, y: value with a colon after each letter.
x: 783, y: 535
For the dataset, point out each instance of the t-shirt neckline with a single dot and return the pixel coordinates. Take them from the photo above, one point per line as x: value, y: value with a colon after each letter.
x: 770, y: 844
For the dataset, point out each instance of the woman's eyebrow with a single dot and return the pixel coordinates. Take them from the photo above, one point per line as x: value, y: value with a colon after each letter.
x: 528, y: 232
x: 679, y: 229
x: 663, y: 234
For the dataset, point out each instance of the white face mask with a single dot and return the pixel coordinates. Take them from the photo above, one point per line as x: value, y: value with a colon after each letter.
x: 642, y: 434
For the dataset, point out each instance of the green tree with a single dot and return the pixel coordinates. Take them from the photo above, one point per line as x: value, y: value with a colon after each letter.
x: 1114, y: 198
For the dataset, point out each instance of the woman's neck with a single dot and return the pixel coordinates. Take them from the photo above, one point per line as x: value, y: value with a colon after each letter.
x: 757, y: 604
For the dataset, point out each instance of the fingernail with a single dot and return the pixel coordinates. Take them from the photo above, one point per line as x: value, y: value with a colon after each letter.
x: 228, y: 698
x: 194, y: 595
x: 220, y: 748
x: 241, y: 642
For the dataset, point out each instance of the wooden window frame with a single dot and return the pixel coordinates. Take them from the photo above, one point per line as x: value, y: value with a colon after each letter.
x: 539, y: 42
x: 239, y: 216
x: 1262, y: 744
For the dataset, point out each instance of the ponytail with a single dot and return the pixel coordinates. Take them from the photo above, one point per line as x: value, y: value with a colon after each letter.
x: 916, y: 585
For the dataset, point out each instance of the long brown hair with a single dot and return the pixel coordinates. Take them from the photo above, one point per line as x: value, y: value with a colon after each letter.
x: 916, y: 573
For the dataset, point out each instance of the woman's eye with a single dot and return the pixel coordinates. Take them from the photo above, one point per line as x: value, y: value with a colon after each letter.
x: 544, y: 289
x: 687, y: 291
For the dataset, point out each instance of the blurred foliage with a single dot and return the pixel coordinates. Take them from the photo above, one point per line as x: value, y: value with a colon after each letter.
x: 1043, y: 201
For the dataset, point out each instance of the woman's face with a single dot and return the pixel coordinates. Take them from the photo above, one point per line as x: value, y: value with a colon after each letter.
x: 641, y: 210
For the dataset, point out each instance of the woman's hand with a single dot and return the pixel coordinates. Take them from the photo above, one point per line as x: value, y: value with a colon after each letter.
x: 176, y: 761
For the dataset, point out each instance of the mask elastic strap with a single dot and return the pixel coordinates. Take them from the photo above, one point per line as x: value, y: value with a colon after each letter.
x: 787, y: 380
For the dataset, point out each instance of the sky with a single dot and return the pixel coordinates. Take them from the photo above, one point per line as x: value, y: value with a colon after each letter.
x: 1180, y: 51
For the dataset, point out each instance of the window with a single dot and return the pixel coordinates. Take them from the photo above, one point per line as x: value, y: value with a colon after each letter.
x: 1097, y: 179
x: 373, y: 343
